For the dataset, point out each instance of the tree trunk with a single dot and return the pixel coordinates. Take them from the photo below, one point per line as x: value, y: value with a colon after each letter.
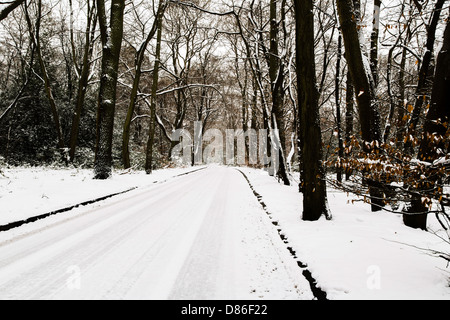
x: 112, y: 42
x: 35, y: 38
x: 82, y: 82
x: 313, y: 175
x: 422, y: 85
x: 152, y: 121
x: 348, y: 121
x: 436, y: 124
x: 401, y: 101
x: 338, y: 107
x: 433, y: 144
x: 359, y: 68
x: 276, y: 73
x: 374, y: 40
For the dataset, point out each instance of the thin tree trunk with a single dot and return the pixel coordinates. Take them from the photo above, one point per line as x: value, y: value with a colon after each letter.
x: 152, y: 121
x: 349, y: 93
x: 35, y: 38
x: 276, y: 73
x: 401, y: 102
x: 82, y: 81
x: 393, y: 104
x: 364, y: 90
x: 374, y: 40
x: 422, y: 85
x: 338, y: 106
x: 140, y: 55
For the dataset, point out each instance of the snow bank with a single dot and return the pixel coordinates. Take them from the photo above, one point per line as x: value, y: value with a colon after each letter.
x: 28, y: 192
x: 358, y: 254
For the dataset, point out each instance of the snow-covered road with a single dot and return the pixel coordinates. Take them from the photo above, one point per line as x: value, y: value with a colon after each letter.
x: 197, y: 236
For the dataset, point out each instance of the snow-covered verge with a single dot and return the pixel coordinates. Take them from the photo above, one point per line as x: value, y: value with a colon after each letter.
x: 31, y: 191
x: 358, y: 254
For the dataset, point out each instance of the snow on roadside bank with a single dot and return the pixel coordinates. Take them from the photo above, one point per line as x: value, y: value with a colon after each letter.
x: 32, y: 191
x: 358, y: 254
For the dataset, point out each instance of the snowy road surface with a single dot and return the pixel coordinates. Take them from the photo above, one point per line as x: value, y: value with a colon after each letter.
x: 197, y: 236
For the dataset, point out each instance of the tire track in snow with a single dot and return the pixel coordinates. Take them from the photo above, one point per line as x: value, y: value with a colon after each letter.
x: 155, y: 244
x: 318, y: 293
x: 47, y: 261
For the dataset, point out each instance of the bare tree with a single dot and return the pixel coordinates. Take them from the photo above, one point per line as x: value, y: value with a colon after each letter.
x: 423, y: 84
x: 360, y: 72
x: 139, y: 59
x: 435, y: 142
x: 35, y: 38
x: 111, y: 35
x: 313, y: 175
x: 82, y: 72
x: 152, y: 120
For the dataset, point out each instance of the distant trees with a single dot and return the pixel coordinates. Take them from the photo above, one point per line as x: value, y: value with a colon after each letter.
x: 34, y: 31
x: 31, y: 124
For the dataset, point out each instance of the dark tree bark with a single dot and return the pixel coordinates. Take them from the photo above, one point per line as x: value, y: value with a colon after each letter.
x: 349, y: 95
x: 401, y: 110
x: 423, y: 85
x: 392, y: 102
x: 9, y: 8
x: 364, y: 89
x: 152, y: 121
x: 374, y: 40
x: 313, y: 175
x: 111, y: 36
x: 276, y: 73
x: 433, y: 144
x: 338, y: 106
x: 438, y: 116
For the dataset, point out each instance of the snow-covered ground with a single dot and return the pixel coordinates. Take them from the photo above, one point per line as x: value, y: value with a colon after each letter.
x: 359, y: 254
x: 31, y: 191
x: 356, y: 255
x: 196, y: 236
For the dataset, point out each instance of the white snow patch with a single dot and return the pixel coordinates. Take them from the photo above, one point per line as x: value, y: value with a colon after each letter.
x: 358, y: 254
x: 30, y: 191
